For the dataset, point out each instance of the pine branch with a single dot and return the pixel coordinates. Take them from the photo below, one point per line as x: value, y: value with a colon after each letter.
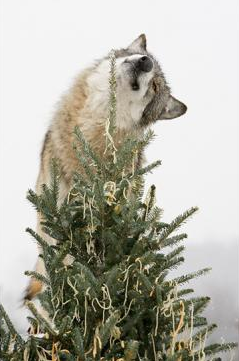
x: 57, y: 260
x: 201, y: 304
x: 88, y: 167
x: 145, y: 170
x: 145, y: 281
x: 216, y: 348
x: 186, y: 278
x: 185, y: 292
x: 65, y: 325
x: 10, y: 326
x: 41, y: 320
x: 55, y: 181
x: 176, y: 224
x: 88, y: 274
x: 112, y: 92
x: 87, y: 150
x: 107, y: 328
x: 34, y: 199
x: 173, y: 241
x: 37, y: 276
x: 42, y: 243
x: 78, y: 343
x: 200, y: 335
x: 177, y: 251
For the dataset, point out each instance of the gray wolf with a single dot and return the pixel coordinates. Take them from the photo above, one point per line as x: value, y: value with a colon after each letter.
x: 143, y: 97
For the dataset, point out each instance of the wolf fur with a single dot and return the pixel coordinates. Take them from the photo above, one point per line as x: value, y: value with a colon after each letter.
x: 143, y: 97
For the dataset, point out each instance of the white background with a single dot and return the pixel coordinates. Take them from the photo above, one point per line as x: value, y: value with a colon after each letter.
x: 44, y: 44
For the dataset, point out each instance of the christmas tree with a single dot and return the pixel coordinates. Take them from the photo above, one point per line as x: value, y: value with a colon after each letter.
x: 115, y: 300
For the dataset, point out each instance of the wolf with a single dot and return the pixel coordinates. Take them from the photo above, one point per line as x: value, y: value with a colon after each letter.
x: 143, y: 97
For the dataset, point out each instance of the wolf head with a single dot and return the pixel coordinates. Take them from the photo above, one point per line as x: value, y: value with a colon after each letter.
x: 143, y: 95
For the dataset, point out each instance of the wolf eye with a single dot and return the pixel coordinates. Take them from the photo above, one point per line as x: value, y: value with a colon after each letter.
x: 155, y: 86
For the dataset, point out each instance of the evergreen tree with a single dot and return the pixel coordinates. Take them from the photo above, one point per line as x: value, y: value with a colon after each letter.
x: 116, y: 300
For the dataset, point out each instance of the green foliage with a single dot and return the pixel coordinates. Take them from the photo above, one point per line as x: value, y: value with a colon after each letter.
x: 115, y: 300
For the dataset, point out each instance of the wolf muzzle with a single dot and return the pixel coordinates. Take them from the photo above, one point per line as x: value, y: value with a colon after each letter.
x: 145, y: 64
x: 142, y: 65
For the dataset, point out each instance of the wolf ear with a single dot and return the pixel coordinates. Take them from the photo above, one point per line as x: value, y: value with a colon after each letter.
x: 138, y: 44
x: 173, y: 109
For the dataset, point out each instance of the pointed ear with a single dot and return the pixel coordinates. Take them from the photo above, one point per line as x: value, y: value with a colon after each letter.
x: 173, y: 109
x: 138, y: 44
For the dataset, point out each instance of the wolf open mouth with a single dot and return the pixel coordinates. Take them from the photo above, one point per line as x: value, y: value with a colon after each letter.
x: 135, y: 85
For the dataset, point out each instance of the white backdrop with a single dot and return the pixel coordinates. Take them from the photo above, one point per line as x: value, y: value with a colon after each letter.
x: 44, y: 44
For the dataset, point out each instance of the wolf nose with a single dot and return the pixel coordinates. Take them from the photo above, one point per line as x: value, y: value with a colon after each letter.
x: 145, y: 64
